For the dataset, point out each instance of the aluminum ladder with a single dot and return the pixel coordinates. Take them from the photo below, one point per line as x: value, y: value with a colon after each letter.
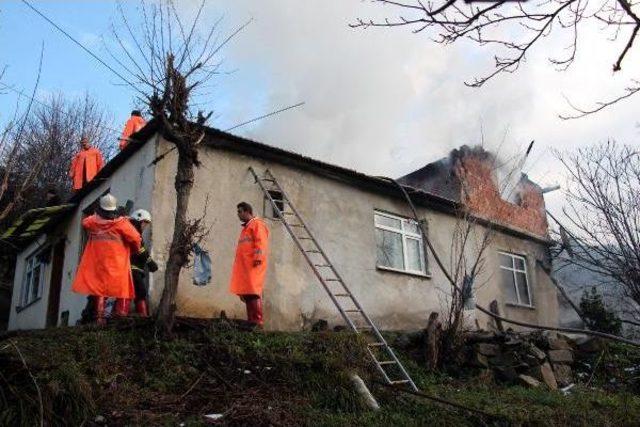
x: 383, y: 356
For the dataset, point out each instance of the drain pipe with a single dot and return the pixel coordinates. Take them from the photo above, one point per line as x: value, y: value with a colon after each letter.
x: 363, y: 391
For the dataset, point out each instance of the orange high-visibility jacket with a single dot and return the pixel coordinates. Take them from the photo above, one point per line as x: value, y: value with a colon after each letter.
x: 105, y: 269
x: 133, y: 125
x: 252, y: 245
x: 84, y: 166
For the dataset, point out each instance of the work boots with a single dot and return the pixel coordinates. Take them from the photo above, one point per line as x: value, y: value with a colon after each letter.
x: 254, y: 309
x: 141, y: 308
x: 98, y: 310
x: 121, y: 308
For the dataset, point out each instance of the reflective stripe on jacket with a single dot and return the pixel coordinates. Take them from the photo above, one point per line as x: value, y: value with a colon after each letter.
x: 253, y: 245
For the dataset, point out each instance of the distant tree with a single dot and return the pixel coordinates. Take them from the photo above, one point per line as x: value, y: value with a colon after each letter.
x: 603, y: 214
x: 512, y: 29
x: 596, y: 315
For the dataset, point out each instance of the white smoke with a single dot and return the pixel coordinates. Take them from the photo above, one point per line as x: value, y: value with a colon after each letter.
x: 389, y: 101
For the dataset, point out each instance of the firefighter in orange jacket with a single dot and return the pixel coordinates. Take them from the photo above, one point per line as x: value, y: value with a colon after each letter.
x: 85, y: 165
x: 105, y: 269
x: 133, y: 125
x: 250, y: 265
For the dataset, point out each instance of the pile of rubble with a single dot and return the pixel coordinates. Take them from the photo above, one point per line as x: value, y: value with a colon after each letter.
x: 529, y: 359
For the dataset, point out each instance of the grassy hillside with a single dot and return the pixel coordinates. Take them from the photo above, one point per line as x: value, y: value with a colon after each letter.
x: 124, y: 375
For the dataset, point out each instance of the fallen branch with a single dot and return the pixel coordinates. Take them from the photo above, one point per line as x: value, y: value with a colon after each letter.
x: 195, y: 383
x: 441, y: 400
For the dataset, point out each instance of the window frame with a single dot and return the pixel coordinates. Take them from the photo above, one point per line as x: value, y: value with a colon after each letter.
x: 513, y: 269
x: 36, y: 259
x: 405, y: 235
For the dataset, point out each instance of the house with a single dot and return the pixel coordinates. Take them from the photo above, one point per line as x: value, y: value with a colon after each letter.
x: 363, y: 223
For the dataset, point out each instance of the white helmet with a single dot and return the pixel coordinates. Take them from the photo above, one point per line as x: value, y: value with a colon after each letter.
x: 141, y: 215
x: 109, y: 203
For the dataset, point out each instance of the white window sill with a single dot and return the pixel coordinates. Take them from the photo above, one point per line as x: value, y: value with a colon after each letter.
x: 408, y: 273
x: 516, y: 305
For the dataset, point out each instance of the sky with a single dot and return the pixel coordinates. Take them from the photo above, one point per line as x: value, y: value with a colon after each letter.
x: 380, y: 101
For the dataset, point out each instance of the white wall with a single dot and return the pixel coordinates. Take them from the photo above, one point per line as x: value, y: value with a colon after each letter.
x: 33, y: 316
x: 134, y: 181
x: 342, y: 217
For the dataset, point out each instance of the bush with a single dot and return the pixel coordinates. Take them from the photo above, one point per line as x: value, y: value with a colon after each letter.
x: 596, y: 315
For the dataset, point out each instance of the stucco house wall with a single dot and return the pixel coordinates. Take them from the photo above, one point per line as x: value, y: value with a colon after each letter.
x: 342, y: 219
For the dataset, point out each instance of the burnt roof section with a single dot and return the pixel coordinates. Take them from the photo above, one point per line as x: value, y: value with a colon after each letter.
x: 436, y: 178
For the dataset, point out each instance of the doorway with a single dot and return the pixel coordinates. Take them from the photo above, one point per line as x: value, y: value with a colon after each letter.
x: 55, y: 284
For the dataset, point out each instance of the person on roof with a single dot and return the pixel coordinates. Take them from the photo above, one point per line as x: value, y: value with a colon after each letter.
x: 105, y: 268
x: 250, y: 265
x: 140, y: 219
x: 85, y: 165
x: 133, y: 125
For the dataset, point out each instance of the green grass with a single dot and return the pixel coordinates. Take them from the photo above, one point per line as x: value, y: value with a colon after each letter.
x: 132, y: 378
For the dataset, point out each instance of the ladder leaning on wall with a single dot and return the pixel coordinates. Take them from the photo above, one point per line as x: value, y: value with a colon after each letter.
x: 350, y: 309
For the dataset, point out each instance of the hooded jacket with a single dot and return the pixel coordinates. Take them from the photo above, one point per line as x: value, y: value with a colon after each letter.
x: 105, y: 268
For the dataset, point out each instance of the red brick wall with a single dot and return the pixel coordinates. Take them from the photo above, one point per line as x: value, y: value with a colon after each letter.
x: 481, y: 194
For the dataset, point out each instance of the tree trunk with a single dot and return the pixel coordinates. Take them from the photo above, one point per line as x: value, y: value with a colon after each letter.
x: 180, y: 246
x: 433, y: 333
x: 493, y: 307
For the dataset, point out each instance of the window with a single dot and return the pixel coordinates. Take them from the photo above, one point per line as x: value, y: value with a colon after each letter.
x: 278, y: 198
x: 33, y: 279
x: 399, y: 244
x: 513, y: 269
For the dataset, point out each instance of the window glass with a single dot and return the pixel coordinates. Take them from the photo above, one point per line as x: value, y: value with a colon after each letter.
x: 514, y: 278
x: 411, y: 227
x: 385, y: 221
x: 399, y: 244
x: 509, y: 285
x: 35, y: 287
x: 523, y: 291
x: 414, y: 258
x: 389, y: 249
x: 26, y: 286
x: 506, y: 261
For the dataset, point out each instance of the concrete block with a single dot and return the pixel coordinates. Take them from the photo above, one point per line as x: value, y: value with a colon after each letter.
x: 487, y: 349
x: 563, y: 374
x: 561, y: 356
x: 545, y: 374
x: 528, y: 381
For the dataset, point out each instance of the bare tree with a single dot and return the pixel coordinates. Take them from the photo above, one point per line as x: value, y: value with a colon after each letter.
x: 168, y: 60
x: 603, y: 214
x: 512, y: 29
x: 51, y: 135
x: 12, y: 140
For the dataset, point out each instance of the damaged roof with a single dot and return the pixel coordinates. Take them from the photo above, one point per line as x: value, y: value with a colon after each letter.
x: 34, y: 222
